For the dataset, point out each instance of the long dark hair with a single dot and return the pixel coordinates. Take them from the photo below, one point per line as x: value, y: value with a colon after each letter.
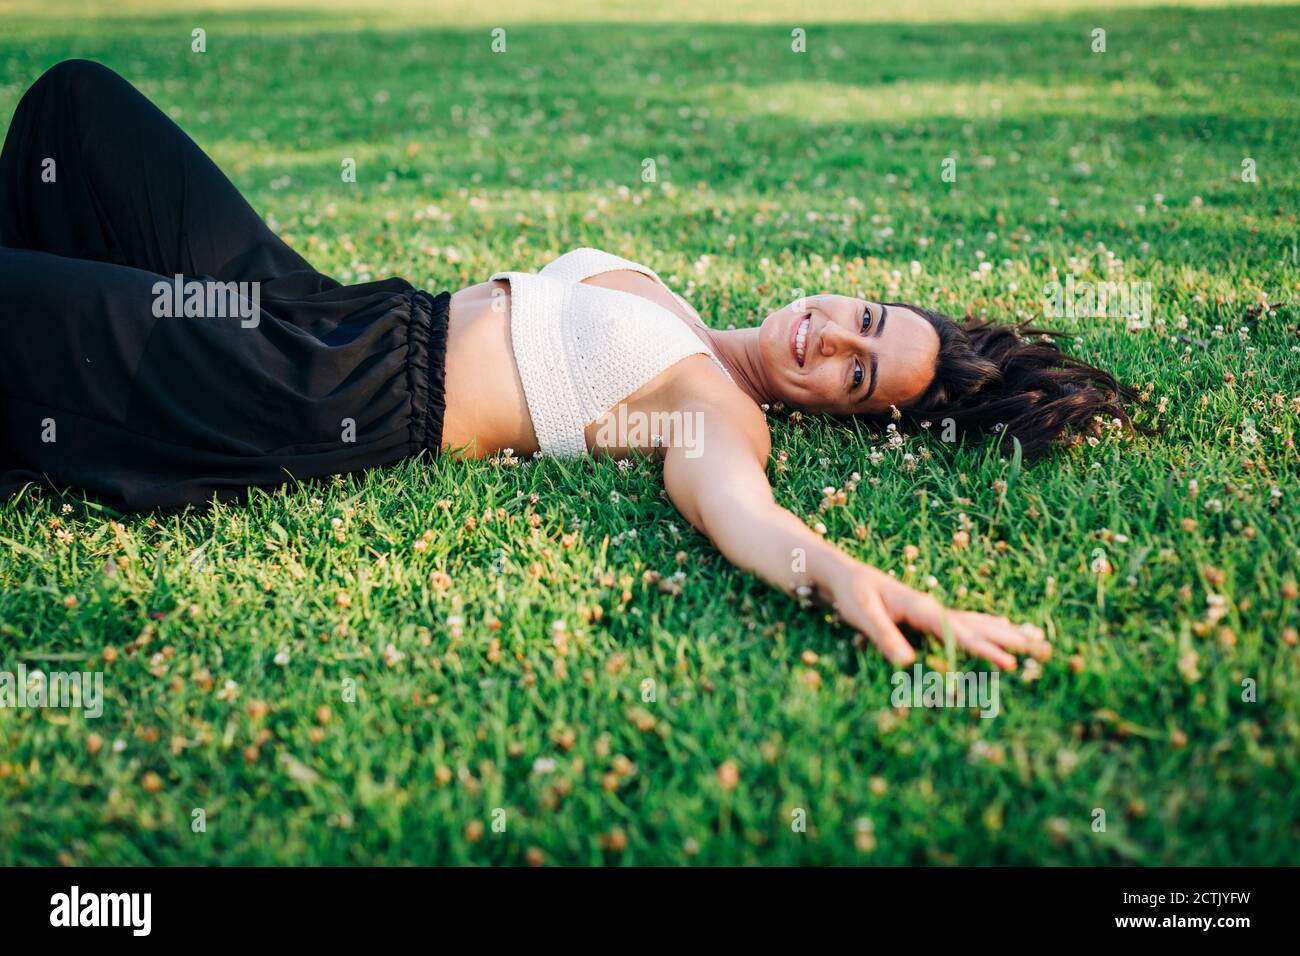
x: 1014, y: 382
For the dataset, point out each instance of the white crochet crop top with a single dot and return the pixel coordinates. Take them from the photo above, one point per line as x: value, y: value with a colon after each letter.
x: 582, y: 349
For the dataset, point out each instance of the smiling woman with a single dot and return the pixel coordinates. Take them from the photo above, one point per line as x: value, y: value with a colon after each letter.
x: 148, y: 410
x: 850, y: 356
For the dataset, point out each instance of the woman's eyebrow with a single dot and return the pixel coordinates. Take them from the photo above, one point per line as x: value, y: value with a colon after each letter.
x: 871, y: 387
x: 880, y: 326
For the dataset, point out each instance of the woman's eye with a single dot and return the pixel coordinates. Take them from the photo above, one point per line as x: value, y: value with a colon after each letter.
x: 857, y: 373
x: 866, y: 319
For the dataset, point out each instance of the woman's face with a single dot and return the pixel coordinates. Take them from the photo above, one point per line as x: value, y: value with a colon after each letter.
x: 843, y: 356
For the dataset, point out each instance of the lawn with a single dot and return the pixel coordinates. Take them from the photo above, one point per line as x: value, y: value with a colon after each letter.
x: 485, y: 664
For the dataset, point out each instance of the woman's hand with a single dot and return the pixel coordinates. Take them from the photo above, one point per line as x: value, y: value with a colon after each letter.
x: 872, y: 602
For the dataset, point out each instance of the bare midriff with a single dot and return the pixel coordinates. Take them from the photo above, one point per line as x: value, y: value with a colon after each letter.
x: 486, y: 407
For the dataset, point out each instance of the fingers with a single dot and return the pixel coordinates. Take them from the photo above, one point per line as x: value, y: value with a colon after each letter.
x: 875, y: 609
x: 1022, y: 639
x: 982, y: 634
x: 884, y: 633
x: 973, y: 643
x: 918, y: 610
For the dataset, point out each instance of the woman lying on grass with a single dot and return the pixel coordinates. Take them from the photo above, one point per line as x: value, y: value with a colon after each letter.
x: 160, y: 347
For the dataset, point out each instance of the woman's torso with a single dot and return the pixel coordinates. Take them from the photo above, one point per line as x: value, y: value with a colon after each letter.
x: 486, y: 403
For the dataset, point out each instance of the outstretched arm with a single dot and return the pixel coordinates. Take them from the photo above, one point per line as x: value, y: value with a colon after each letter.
x: 723, y: 491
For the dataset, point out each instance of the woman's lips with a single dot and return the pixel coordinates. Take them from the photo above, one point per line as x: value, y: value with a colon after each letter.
x: 804, y: 322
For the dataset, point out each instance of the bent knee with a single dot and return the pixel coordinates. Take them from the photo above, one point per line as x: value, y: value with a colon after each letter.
x: 73, y: 76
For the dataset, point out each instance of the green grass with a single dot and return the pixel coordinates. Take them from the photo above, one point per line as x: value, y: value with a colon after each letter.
x: 817, y: 172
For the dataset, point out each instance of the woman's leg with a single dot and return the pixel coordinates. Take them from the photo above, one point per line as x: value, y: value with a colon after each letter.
x: 72, y: 338
x: 92, y: 170
x: 108, y: 383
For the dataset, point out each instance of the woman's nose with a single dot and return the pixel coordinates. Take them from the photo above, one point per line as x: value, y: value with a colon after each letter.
x: 834, y: 338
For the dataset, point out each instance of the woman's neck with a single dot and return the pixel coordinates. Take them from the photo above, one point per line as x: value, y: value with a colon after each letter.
x: 737, y: 349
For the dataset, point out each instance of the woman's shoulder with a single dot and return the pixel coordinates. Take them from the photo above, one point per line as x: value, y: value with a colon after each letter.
x: 696, y: 386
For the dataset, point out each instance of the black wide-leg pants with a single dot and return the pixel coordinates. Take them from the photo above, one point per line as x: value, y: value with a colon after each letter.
x: 109, y: 383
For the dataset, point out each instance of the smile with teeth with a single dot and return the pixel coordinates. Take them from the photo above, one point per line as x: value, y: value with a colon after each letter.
x: 800, y: 341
